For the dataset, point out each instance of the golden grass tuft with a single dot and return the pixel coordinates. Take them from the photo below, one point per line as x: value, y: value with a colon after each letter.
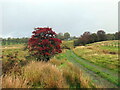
x: 44, y: 75
x: 10, y: 81
x: 56, y: 62
x: 73, y: 75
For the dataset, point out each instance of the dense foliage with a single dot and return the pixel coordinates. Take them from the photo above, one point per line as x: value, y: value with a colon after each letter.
x: 88, y: 37
x: 43, y: 44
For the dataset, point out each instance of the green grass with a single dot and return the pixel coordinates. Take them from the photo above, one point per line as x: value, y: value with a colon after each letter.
x: 100, y: 54
x: 70, y: 56
x: 15, y: 45
x: 110, y: 48
x: 69, y: 44
x: 99, y: 71
x: 20, y: 53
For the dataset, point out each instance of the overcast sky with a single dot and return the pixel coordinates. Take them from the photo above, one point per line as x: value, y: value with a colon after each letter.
x: 19, y: 17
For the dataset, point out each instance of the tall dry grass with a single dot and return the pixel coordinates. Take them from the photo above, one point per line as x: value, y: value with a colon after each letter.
x: 44, y: 75
x: 73, y: 75
x: 11, y: 81
x: 56, y: 62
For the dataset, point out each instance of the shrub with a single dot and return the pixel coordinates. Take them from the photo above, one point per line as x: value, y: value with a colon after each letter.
x: 77, y: 42
x: 43, y: 44
x: 11, y: 63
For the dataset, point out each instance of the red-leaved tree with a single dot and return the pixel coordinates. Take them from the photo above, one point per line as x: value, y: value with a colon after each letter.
x: 43, y: 44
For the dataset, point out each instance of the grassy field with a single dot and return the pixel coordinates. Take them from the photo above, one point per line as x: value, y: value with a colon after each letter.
x: 91, y: 66
x: 99, y: 59
x: 67, y: 44
x: 102, y: 76
x: 19, y: 72
x: 104, y: 54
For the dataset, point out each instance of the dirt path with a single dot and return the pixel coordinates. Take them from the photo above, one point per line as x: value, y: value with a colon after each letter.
x: 99, y: 75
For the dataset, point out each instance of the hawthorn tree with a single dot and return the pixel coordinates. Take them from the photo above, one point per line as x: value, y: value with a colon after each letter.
x: 43, y: 44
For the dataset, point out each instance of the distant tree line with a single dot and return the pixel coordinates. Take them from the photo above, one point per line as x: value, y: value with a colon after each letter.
x: 88, y: 37
x: 11, y: 41
x: 84, y: 39
x: 65, y: 36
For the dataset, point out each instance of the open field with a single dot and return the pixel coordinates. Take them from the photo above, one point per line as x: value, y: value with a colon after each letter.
x: 99, y: 75
x: 104, y: 54
x: 91, y: 66
x: 98, y: 60
x: 19, y: 72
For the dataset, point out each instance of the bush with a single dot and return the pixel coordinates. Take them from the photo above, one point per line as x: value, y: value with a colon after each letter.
x: 11, y: 63
x: 77, y: 42
x: 43, y: 44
